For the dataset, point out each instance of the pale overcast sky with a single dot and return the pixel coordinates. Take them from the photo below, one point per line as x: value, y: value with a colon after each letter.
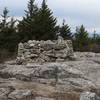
x: 76, y: 12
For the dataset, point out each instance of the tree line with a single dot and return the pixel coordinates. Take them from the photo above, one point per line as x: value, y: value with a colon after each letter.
x: 39, y: 23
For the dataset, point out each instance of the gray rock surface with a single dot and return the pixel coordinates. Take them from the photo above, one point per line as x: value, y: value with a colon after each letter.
x: 20, y: 94
x: 88, y: 96
x: 78, y: 75
x: 65, y: 74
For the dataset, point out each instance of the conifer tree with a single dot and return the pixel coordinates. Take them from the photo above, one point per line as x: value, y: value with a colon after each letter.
x: 26, y: 27
x: 81, y: 37
x: 95, y: 38
x: 5, y: 17
x: 8, y: 37
x: 47, y: 23
x: 65, y: 31
x: 38, y: 23
x: 31, y: 8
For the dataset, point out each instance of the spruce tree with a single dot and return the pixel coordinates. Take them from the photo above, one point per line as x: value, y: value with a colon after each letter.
x: 5, y: 17
x: 8, y: 36
x: 47, y: 23
x: 26, y: 27
x: 65, y: 31
x: 31, y: 8
x: 38, y: 23
x: 81, y: 37
x: 95, y: 38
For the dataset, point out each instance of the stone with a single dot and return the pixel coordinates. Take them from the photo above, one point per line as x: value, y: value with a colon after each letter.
x: 60, y: 39
x: 43, y: 98
x: 73, y: 57
x: 33, y: 55
x: 59, y: 60
x: 90, y: 54
x: 20, y: 94
x: 20, y: 46
x: 20, y: 49
x: 30, y: 42
x: 32, y: 45
x: 88, y: 96
x: 4, y: 92
x: 20, y: 60
x: 26, y: 45
x: 44, y: 51
x: 61, y: 54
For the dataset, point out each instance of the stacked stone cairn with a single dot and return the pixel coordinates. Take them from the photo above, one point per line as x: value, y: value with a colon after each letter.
x: 44, y: 51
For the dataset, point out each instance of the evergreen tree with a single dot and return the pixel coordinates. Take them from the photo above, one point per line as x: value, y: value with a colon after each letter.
x: 95, y: 38
x: 26, y: 27
x: 5, y: 17
x: 81, y: 37
x: 32, y: 8
x: 38, y: 23
x: 8, y: 37
x: 47, y: 23
x: 65, y: 31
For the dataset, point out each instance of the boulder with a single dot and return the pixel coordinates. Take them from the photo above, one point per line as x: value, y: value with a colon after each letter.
x: 21, y: 95
x: 88, y: 96
x: 4, y: 92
